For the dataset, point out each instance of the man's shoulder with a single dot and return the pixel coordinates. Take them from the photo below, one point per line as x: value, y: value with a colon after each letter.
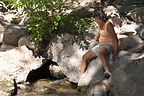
x: 109, y: 24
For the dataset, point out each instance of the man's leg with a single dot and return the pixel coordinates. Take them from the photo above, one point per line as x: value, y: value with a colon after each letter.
x: 103, y: 54
x: 89, y: 55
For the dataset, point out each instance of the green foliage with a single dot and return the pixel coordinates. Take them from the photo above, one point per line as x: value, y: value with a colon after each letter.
x: 47, y: 18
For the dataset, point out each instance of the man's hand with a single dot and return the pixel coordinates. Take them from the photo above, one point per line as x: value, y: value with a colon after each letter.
x: 114, y: 56
x: 93, y: 40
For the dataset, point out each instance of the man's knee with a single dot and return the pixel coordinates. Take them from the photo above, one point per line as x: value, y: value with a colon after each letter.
x: 84, y: 57
x: 103, y: 52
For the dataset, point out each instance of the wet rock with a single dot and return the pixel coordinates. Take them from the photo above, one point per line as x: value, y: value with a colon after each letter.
x: 43, y: 90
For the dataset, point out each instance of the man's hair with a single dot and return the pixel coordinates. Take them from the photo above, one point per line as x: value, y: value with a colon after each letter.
x: 100, y: 14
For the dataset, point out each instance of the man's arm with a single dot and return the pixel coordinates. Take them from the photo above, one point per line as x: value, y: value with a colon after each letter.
x: 97, y: 37
x: 110, y: 29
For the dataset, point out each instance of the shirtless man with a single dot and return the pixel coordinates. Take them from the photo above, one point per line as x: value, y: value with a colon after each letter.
x: 108, y: 43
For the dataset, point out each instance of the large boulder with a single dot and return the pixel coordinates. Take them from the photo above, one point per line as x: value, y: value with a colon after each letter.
x: 27, y: 41
x: 13, y: 33
x: 127, y: 80
x: 98, y: 85
x: 129, y: 42
x: 128, y: 29
x: 67, y: 51
x: 70, y: 62
x: 17, y: 63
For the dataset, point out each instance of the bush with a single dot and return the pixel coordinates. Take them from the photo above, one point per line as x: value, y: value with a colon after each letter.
x: 48, y: 18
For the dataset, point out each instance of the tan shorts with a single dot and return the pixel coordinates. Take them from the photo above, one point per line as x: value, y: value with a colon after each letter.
x: 96, y: 49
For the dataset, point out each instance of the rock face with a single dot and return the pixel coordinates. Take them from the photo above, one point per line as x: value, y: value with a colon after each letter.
x: 3, y: 8
x: 127, y: 80
x: 12, y: 34
x: 68, y: 54
x: 137, y: 15
x: 26, y: 40
x: 129, y: 42
x: 133, y: 9
x: 67, y: 51
x: 17, y: 63
x: 114, y: 16
x: 1, y: 32
x: 140, y: 31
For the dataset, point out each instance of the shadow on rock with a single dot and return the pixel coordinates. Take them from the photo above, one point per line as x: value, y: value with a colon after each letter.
x: 41, y: 73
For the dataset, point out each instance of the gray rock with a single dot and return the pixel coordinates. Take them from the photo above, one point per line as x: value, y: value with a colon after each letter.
x: 56, y: 71
x: 130, y: 42
x: 140, y: 31
x: 3, y: 8
x: 70, y: 62
x: 26, y: 40
x: 128, y: 29
x: 128, y: 1
x: 5, y: 47
x: 94, y: 73
x: 17, y: 63
x: 127, y: 80
x: 114, y: 15
x: 4, y: 93
x: 137, y: 15
x: 1, y: 33
x: 98, y: 85
x: 96, y: 90
x: 12, y: 34
x: 125, y: 57
x: 67, y: 51
x: 1, y: 28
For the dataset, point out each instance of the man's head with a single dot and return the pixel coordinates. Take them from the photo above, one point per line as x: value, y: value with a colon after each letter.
x: 99, y: 14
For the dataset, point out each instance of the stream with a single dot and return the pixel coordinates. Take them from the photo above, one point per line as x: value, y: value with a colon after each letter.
x: 45, y: 87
